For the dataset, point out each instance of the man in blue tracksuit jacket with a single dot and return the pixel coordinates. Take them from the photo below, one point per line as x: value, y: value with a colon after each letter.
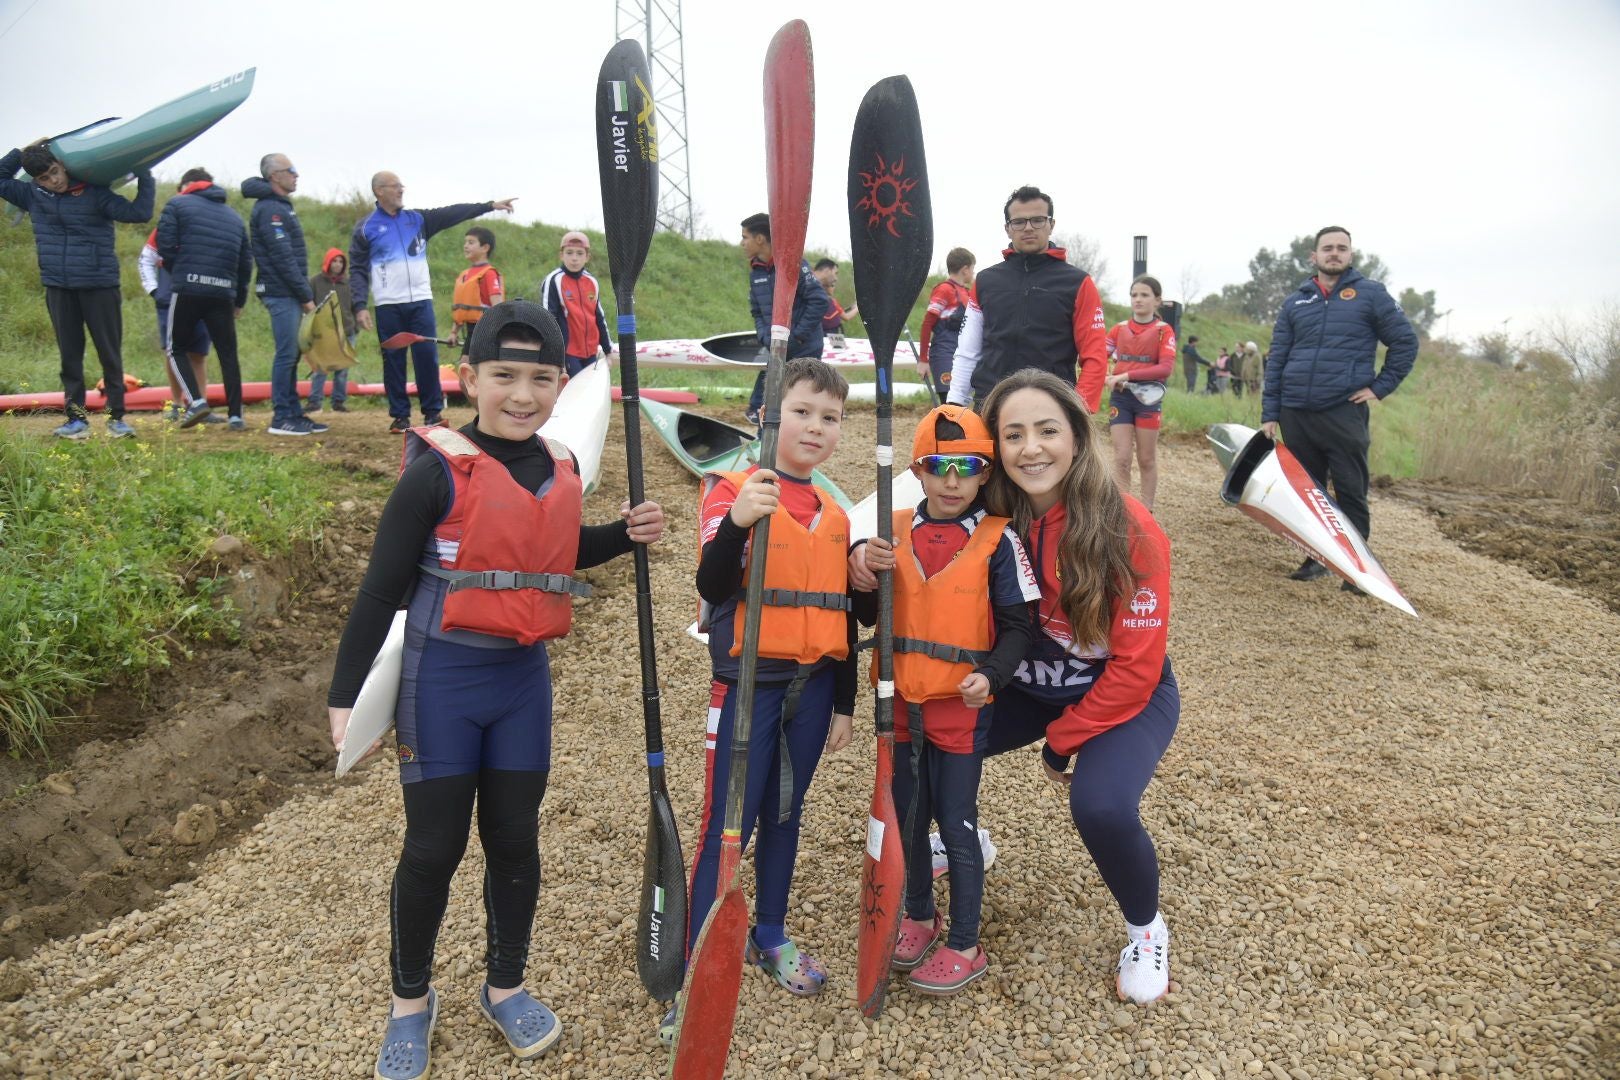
x: 1320, y: 378
x: 388, y: 265
x: 283, y: 285
x: 810, y: 302
x: 73, y: 237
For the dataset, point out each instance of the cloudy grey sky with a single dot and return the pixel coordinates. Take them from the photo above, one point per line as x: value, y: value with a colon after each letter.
x: 1471, y: 145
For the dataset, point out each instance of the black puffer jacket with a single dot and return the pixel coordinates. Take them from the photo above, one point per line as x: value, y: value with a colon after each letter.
x: 73, y: 231
x: 278, y: 243
x: 204, y: 246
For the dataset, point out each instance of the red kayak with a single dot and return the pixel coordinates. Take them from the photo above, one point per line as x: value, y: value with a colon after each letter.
x: 153, y: 398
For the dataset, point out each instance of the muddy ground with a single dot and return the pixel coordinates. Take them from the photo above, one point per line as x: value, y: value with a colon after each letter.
x: 1388, y: 845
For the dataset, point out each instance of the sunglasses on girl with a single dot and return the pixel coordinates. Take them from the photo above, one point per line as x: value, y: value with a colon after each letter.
x: 964, y: 464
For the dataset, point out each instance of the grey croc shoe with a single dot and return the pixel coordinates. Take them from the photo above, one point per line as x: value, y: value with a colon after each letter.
x: 528, y: 1027
x: 406, y: 1042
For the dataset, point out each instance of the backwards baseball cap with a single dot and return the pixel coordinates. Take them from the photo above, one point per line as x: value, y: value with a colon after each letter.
x: 975, y: 436
x: 575, y: 238
x: 519, y: 315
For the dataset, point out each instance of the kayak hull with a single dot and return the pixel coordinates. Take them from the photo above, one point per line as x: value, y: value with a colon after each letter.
x: 738, y: 350
x: 1267, y: 482
x: 109, y: 150
x: 580, y: 420
x: 706, y: 445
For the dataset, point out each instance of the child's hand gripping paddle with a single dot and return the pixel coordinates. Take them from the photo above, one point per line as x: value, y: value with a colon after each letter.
x: 891, y: 236
x: 709, y: 1006
x: 627, y: 158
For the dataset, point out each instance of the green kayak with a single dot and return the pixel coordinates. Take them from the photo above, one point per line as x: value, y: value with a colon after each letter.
x: 108, y: 150
x: 705, y: 445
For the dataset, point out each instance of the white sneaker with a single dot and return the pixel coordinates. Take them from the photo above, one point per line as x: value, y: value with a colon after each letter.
x: 942, y: 867
x: 1144, y: 964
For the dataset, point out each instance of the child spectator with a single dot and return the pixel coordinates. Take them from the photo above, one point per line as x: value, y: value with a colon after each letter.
x: 571, y: 294
x: 479, y: 287
x: 832, y: 323
x: 333, y: 278
x: 942, y: 322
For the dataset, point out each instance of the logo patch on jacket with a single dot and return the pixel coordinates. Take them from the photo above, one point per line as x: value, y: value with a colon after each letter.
x: 1348, y: 294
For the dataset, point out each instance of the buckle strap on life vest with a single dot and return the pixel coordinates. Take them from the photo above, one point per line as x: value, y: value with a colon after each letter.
x: 934, y: 650
x: 509, y: 579
x: 832, y: 601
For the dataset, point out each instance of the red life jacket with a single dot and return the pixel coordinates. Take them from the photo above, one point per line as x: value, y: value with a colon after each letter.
x: 806, y: 584
x: 943, y: 625
x: 507, y: 554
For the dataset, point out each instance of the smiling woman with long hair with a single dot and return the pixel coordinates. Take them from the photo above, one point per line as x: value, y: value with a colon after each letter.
x: 1096, y: 685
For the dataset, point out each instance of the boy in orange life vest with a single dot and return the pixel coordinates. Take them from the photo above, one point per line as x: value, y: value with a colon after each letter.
x: 571, y: 294
x: 478, y: 289
x: 962, y: 590
x: 805, y: 695
x: 480, y: 539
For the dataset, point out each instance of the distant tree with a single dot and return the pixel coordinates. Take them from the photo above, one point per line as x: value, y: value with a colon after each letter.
x: 1496, y: 348
x: 1419, y: 308
x: 1191, y: 284
x: 1086, y: 253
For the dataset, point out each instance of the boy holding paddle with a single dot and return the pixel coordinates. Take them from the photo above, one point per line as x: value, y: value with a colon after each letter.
x: 962, y: 589
x: 805, y: 680
x: 480, y: 537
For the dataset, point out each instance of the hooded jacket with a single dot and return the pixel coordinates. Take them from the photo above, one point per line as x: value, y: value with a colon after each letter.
x: 324, y: 282
x: 1325, y: 345
x: 809, y: 305
x: 73, y: 231
x: 204, y: 246
x: 278, y: 243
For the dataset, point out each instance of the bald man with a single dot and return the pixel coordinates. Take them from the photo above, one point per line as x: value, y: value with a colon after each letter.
x: 388, y: 266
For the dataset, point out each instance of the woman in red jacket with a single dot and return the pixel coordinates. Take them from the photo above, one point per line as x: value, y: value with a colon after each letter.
x: 1143, y: 352
x: 1096, y: 685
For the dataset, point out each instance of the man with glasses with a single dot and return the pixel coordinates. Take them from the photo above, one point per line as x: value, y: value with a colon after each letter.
x: 1032, y: 309
x: 283, y: 285
x: 388, y: 266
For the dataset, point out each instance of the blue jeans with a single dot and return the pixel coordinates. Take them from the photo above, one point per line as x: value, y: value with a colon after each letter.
x: 414, y: 318
x: 285, y: 313
x: 340, y: 387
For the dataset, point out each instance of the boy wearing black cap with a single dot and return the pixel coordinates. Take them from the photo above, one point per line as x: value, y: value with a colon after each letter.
x: 497, y: 511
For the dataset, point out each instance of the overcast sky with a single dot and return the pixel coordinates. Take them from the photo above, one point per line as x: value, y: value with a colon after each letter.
x: 1471, y: 145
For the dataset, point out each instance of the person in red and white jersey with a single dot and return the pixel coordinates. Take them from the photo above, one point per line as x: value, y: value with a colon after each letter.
x: 1096, y: 684
x: 942, y: 322
x: 1143, y: 352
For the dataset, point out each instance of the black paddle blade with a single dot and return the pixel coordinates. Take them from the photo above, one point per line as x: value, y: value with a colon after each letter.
x: 627, y: 159
x: 891, y: 218
x: 661, y: 929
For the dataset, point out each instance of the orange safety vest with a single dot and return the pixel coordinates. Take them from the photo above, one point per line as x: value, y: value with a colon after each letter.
x: 806, y: 584
x: 509, y: 556
x: 467, y: 302
x: 943, y: 625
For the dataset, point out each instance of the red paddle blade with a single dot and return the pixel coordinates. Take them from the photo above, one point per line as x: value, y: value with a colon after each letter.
x: 709, y: 1005
x: 790, y: 140
x: 883, y: 887
x: 400, y: 340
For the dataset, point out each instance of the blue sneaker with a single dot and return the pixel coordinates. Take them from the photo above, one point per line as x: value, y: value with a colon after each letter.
x: 196, y: 412
x: 118, y: 429
x: 299, y: 425
x: 238, y: 424
x: 407, y: 1042
x: 77, y: 428
x: 528, y: 1026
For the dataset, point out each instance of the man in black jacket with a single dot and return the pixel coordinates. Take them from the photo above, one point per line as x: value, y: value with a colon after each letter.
x: 205, y: 249
x: 1032, y: 309
x: 283, y: 285
x: 1191, y: 362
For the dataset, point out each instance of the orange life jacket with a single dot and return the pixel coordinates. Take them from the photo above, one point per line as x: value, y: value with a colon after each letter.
x: 806, y: 584
x: 467, y: 302
x: 507, y: 554
x: 943, y: 625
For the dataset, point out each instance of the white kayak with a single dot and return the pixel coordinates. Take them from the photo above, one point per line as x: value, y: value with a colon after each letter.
x: 905, y: 489
x: 579, y: 422
x: 1267, y: 482
x: 739, y: 350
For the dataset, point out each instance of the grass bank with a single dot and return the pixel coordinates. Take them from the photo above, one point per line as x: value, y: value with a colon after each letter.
x: 97, y: 539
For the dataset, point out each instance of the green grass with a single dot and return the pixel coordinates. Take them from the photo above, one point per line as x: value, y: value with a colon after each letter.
x: 95, y: 541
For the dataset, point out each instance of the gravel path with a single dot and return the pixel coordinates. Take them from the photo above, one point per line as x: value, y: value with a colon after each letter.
x: 1389, y: 849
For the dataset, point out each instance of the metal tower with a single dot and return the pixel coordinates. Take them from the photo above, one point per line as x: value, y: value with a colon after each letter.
x: 658, y: 24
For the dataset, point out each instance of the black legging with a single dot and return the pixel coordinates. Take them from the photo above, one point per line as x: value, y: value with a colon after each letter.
x: 438, y: 818
x: 216, y: 313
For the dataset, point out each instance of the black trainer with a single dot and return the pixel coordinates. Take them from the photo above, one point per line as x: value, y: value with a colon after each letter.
x: 1309, y: 570
x: 400, y: 426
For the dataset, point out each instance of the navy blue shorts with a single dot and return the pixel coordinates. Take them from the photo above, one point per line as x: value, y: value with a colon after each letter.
x: 1124, y: 408
x: 463, y: 708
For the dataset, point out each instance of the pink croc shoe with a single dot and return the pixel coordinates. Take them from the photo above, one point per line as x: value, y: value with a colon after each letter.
x: 948, y: 971
x: 914, y: 941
